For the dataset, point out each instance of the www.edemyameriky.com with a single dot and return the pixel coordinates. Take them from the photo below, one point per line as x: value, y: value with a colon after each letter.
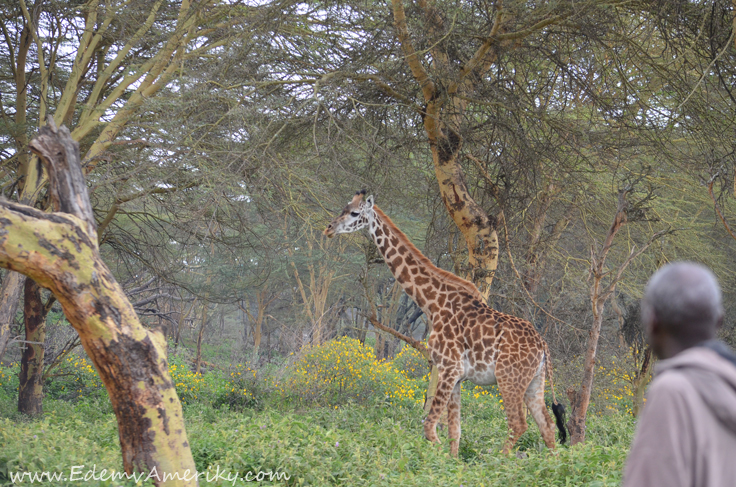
x: 77, y: 473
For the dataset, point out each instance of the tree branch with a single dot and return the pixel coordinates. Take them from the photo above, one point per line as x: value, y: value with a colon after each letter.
x: 68, y: 189
x: 718, y: 208
x: 412, y: 57
x: 416, y: 344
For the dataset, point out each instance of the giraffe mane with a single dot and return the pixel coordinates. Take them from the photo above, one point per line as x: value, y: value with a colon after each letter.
x: 442, y: 274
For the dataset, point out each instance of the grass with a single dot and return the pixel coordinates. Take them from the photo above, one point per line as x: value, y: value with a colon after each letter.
x: 346, y: 420
x: 356, y: 445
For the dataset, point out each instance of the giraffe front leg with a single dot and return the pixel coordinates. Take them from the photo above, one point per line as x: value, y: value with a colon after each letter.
x: 445, y: 385
x: 453, y: 420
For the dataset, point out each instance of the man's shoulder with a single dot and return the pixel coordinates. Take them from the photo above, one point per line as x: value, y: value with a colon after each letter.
x: 671, y: 382
x: 696, y: 361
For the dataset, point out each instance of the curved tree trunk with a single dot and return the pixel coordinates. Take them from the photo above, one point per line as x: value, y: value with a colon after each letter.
x: 59, y: 251
x: 442, y: 117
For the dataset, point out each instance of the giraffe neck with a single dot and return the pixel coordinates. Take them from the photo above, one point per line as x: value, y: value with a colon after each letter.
x: 423, y: 281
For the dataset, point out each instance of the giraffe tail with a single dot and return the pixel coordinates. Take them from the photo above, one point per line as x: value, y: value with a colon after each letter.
x: 557, y: 408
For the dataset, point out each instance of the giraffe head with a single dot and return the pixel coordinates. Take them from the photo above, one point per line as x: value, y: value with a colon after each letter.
x: 353, y: 217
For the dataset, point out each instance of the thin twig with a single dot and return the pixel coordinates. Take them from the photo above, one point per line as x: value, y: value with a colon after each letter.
x: 518, y: 275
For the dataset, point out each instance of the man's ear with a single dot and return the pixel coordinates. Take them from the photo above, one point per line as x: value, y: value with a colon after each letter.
x: 369, y: 202
x: 719, y: 322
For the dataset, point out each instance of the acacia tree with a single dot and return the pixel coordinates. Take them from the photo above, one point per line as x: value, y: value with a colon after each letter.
x: 59, y: 251
x: 112, y: 70
x: 602, y: 287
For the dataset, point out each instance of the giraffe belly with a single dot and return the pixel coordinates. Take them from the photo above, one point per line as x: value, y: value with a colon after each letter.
x: 482, y: 374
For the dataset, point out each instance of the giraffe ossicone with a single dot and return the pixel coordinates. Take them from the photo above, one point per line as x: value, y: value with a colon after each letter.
x: 469, y: 340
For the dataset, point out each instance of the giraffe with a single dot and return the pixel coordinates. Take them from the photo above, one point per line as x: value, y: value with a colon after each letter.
x: 469, y: 340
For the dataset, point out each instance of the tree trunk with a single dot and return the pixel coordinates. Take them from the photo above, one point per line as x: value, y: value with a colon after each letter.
x: 183, y: 315
x: 434, y: 377
x: 640, y: 382
x: 30, y: 390
x: 59, y: 251
x: 257, y: 337
x: 580, y: 400
x: 599, y: 294
x: 442, y: 118
x: 10, y: 297
x: 200, y: 337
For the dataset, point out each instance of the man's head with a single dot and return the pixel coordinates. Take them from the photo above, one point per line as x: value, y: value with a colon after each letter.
x: 681, y: 307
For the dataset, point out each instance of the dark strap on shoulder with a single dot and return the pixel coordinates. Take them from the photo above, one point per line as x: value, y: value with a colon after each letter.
x: 721, y: 349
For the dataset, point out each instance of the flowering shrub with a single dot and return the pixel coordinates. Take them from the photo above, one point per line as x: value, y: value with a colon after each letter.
x: 345, y: 370
x: 9, y: 379
x: 75, y: 376
x: 190, y: 386
x: 243, y: 390
x: 613, y: 390
x: 614, y: 383
x: 484, y: 393
x: 411, y: 363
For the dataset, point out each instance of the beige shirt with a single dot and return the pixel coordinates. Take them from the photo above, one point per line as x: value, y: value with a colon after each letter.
x: 686, y: 435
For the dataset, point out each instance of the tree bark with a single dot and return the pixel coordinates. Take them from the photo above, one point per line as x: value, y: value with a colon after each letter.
x: 263, y: 299
x: 200, y: 337
x: 580, y: 400
x: 442, y: 116
x: 59, y: 251
x: 30, y: 390
x: 9, y: 299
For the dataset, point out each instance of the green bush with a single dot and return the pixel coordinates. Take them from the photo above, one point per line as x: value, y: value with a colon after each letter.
x: 190, y: 386
x: 245, y: 389
x: 75, y: 377
x: 412, y: 363
x: 345, y: 370
x: 9, y: 380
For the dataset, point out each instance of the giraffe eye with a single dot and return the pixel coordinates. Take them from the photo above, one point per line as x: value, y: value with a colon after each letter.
x: 354, y: 214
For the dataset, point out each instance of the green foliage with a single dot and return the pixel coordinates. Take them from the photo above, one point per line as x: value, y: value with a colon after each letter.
x: 9, y: 380
x: 190, y: 386
x: 74, y: 377
x: 613, y: 390
x: 345, y: 370
x: 411, y: 363
x: 356, y: 445
x: 359, y: 423
x: 64, y: 438
x: 244, y: 390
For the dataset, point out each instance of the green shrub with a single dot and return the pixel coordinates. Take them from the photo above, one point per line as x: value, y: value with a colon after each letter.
x: 73, y: 378
x: 412, y: 363
x: 9, y: 380
x: 345, y: 370
x: 356, y: 445
x: 245, y: 389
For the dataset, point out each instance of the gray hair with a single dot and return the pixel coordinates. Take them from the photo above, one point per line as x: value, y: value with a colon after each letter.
x: 684, y: 297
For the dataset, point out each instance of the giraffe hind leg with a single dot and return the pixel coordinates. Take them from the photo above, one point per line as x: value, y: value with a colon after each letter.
x: 534, y: 399
x: 453, y: 419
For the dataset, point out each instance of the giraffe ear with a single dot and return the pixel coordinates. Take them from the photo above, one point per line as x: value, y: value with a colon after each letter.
x: 369, y: 202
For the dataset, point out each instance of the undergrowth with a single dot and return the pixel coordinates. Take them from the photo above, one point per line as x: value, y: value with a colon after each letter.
x: 332, y: 415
